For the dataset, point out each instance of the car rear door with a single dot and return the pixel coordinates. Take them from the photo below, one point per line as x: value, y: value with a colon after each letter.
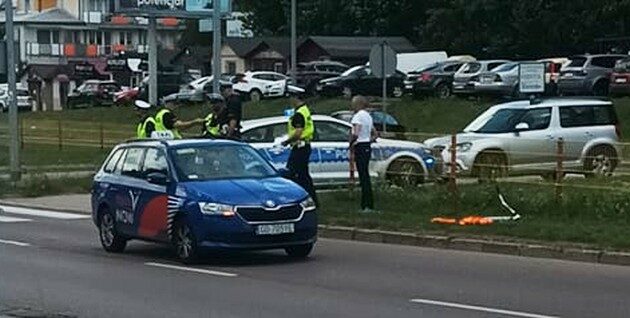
x: 331, y: 141
x: 581, y: 124
x: 127, y: 191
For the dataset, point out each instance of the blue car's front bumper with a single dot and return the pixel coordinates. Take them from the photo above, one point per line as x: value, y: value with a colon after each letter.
x: 234, y: 233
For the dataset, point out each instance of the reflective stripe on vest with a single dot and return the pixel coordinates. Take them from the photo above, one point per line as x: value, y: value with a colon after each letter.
x: 212, y: 130
x: 141, y: 130
x: 309, y: 127
x: 159, y: 123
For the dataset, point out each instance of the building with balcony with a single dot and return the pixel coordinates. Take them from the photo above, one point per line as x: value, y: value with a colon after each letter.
x: 62, y: 43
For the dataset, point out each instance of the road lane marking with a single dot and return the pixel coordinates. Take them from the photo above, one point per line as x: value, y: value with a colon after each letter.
x: 480, y: 308
x: 16, y: 243
x: 43, y: 213
x: 9, y: 219
x: 192, y: 269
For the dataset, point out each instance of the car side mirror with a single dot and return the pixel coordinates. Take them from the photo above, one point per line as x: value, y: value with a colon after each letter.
x: 158, y: 178
x: 521, y: 127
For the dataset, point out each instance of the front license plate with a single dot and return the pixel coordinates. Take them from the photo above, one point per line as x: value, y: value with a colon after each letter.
x: 275, y: 229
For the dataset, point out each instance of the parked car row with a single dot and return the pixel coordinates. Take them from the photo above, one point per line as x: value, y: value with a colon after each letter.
x: 24, y: 100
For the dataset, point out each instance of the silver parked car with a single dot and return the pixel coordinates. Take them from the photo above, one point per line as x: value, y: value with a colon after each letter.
x: 501, y: 81
x: 587, y: 74
x: 461, y: 80
x: 521, y: 138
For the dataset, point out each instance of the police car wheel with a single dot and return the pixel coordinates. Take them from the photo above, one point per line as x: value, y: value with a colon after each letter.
x: 185, y: 243
x: 405, y: 172
x: 299, y: 251
x: 110, y: 239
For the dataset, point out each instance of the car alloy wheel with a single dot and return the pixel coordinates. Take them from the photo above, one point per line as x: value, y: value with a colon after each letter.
x: 110, y: 239
x: 185, y: 243
x: 600, y: 162
x: 347, y: 92
x: 405, y: 172
x: 443, y: 91
x: 398, y: 92
x: 490, y: 166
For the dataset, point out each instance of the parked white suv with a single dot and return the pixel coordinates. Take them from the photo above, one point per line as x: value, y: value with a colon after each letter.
x: 24, y: 100
x: 259, y: 85
x: 521, y: 137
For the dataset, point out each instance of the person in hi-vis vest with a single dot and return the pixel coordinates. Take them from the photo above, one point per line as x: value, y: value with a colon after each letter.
x: 301, y: 130
x: 167, y: 121
x: 216, y: 122
x: 146, y: 122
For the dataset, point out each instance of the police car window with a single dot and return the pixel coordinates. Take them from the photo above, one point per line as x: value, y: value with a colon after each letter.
x: 278, y: 130
x: 154, y: 161
x: 327, y: 131
x: 113, y: 160
x: 260, y: 134
x: 131, y: 163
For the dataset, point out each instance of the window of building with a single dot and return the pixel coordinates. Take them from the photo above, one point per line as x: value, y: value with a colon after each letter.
x: 230, y: 67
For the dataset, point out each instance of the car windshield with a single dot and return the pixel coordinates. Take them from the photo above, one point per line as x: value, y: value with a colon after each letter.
x: 471, y: 68
x: 577, y: 61
x: 383, y: 118
x: 496, y: 121
x: 211, y: 162
x: 425, y: 68
x: 351, y: 70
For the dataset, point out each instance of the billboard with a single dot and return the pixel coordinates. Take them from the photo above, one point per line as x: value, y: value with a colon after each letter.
x: 171, y: 8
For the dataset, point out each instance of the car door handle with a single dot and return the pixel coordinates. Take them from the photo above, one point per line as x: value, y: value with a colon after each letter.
x: 590, y: 134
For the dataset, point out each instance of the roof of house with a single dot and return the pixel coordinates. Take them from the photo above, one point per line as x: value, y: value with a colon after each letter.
x: 242, y: 46
x: 54, y: 15
x: 359, y: 46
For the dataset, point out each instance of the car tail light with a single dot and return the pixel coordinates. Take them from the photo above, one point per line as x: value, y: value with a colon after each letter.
x: 425, y: 77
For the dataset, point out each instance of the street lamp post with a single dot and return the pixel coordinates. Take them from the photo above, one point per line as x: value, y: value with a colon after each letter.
x: 216, y: 46
x: 13, y: 116
x: 293, y: 40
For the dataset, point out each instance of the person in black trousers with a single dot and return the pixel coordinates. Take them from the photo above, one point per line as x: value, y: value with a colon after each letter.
x: 363, y: 133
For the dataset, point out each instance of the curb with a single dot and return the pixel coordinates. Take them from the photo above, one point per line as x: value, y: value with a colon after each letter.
x: 476, y: 245
x: 440, y: 242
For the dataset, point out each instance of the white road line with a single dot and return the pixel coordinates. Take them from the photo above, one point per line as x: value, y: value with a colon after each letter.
x: 16, y: 243
x: 9, y: 219
x: 480, y: 308
x: 192, y: 269
x: 43, y: 213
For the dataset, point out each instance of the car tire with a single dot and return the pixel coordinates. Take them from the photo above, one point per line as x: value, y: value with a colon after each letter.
x: 347, y: 92
x: 185, y: 243
x: 299, y: 251
x: 2, y: 108
x: 111, y: 240
x: 443, y: 91
x: 405, y: 172
x: 490, y: 165
x: 600, y: 88
x: 255, y: 95
x: 601, y: 161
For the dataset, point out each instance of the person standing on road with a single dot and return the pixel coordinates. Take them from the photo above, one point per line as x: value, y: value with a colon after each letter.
x: 167, y: 121
x: 234, y: 111
x: 301, y: 130
x: 216, y: 122
x: 363, y: 133
x: 146, y: 123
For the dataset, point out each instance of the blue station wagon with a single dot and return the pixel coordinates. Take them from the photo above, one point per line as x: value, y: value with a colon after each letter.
x: 200, y: 194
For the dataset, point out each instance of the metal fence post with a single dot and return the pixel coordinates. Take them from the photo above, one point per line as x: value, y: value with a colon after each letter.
x: 59, y: 134
x: 452, y: 177
x: 559, y: 169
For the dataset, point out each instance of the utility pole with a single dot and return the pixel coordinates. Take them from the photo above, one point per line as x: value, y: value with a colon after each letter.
x: 293, y: 40
x: 216, y: 46
x: 153, y: 63
x: 13, y: 115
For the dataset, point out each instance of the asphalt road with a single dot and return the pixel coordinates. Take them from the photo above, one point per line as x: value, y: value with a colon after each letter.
x: 52, y: 263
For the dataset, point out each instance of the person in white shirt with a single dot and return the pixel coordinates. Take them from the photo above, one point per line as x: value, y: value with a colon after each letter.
x: 363, y: 133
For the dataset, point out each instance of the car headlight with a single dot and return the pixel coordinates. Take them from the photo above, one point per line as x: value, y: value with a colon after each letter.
x: 208, y: 208
x: 463, y: 147
x: 308, y: 204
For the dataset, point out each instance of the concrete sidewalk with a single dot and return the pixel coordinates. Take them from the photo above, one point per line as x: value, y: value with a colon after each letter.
x: 69, y: 202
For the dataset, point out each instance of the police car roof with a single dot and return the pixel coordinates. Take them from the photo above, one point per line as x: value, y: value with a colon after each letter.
x: 253, y: 123
x: 176, y: 143
x: 557, y: 101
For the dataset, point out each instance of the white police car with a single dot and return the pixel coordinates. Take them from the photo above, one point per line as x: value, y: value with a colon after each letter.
x: 403, y: 163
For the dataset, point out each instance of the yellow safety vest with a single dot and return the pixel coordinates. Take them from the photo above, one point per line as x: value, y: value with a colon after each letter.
x: 159, y: 123
x: 309, y: 126
x: 213, y: 131
x: 141, y: 130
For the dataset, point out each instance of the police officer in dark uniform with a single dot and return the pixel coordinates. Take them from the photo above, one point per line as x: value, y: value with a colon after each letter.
x: 301, y: 130
x: 146, y: 123
x: 234, y: 106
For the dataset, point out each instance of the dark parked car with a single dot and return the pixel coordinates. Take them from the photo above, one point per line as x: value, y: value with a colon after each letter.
x: 309, y: 74
x: 620, y: 79
x: 359, y: 80
x: 379, y: 118
x: 588, y: 74
x: 93, y: 93
x: 436, y: 80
